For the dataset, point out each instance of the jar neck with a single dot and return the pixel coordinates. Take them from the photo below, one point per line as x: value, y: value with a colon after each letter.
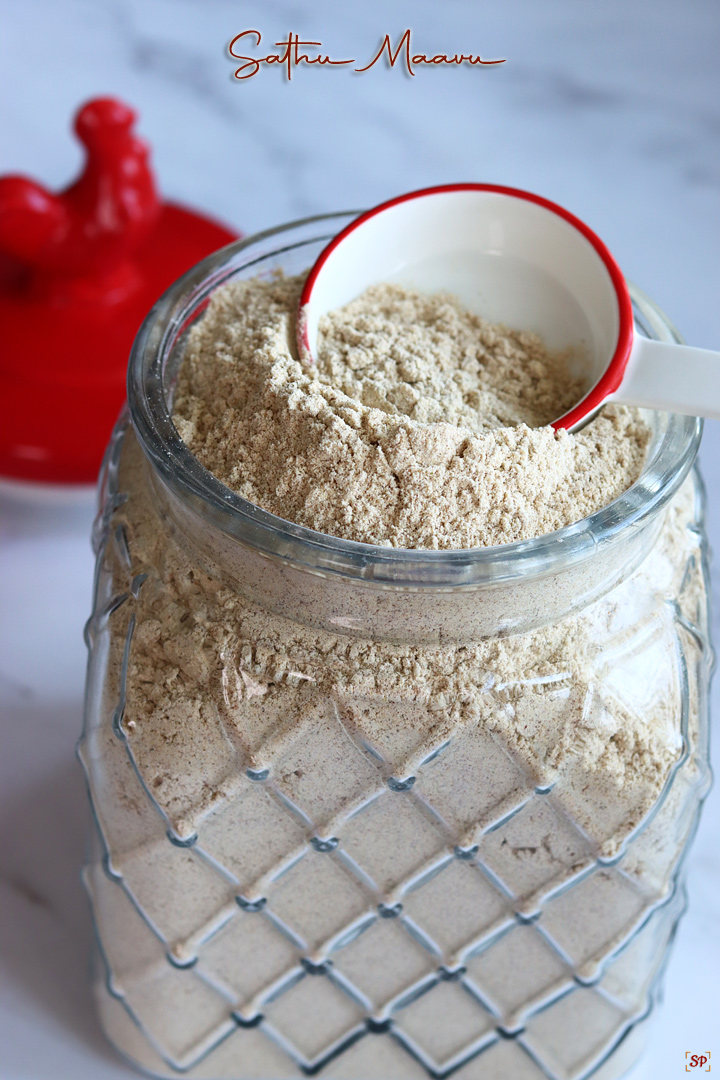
x: 361, y: 589
x: 423, y: 614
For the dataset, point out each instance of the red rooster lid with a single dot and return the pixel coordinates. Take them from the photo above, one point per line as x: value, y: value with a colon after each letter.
x: 79, y: 270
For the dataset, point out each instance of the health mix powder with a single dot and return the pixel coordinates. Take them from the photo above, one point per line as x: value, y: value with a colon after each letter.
x: 418, y: 428
x: 406, y: 421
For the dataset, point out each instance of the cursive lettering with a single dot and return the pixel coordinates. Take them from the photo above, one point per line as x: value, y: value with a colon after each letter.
x: 421, y: 58
x: 292, y: 56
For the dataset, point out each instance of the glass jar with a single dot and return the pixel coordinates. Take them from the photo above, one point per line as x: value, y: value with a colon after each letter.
x: 375, y: 813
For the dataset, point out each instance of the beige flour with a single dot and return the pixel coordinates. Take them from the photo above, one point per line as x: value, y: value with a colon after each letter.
x: 216, y: 685
x: 407, y: 758
x: 419, y: 427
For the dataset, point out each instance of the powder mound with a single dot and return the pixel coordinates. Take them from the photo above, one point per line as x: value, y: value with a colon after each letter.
x: 427, y: 357
x: 421, y: 426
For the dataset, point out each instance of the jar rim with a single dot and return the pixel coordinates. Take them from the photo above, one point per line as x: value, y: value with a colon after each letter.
x: 671, y: 454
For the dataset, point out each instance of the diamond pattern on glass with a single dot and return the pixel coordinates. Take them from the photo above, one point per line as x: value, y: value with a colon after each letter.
x: 595, y: 1024
x: 583, y: 788
x: 243, y: 1045
x: 376, y: 1057
x: 444, y: 1022
x: 118, y: 784
x: 409, y: 841
x: 449, y: 783
x: 503, y: 1060
x: 130, y: 944
x: 323, y: 747
x: 518, y: 972
x: 629, y: 977
x: 246, y: 956
x: 180, y: 1010
x: 535, y: 850
x: 305, y: 982
x: 317, y: 899
x: 384, y: 961
x: 653, y: 857
x: 158, y: 872
x: 251, y: 834
x: 391, y: 731
x: 313, y: 1015
x: 591, y: 919
x: 214, y: 756
x: 457, y: 906
x: 541, y: 711
x: 254, y: 710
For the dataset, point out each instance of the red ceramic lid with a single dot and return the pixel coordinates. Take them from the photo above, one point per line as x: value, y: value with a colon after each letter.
x: 79, y: 270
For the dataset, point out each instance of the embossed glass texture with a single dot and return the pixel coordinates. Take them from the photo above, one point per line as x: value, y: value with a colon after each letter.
x: 402, y: 970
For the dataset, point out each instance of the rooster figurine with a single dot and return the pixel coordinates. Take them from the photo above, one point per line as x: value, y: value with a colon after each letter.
x: 90, y: 230
x: 79, y: 269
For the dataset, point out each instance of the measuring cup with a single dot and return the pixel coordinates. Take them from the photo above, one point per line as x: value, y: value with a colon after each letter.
x: 521, y: 260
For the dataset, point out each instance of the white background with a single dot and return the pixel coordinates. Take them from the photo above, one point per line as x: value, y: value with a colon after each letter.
x: 611, y: 108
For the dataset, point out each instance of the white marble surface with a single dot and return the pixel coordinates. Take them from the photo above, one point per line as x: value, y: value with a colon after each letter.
x: 611, y: 108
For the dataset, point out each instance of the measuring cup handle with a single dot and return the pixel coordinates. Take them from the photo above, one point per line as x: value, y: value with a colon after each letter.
x: 674, y: 378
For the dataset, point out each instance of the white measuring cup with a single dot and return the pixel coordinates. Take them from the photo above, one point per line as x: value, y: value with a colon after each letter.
x: 518, y: 259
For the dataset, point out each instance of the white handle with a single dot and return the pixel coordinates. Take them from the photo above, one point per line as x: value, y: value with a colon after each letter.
x: 674, y: 378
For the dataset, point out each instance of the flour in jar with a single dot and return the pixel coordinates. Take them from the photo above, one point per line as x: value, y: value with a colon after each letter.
x: 421, y: 425
x: 353, y: 778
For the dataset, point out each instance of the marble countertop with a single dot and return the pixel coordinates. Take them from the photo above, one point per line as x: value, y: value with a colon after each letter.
x: 612, y: 109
